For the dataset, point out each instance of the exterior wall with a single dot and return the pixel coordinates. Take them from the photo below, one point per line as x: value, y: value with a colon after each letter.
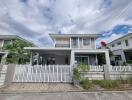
x: 122, y: 45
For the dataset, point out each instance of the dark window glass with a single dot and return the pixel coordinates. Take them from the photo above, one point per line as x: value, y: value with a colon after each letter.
x: 119, y: 43
x: 126, y: 42
x: 7, y: 42
x: 86, y: 41
x: 74, y: 41
x: 112, y: 45
x: 118, y: 57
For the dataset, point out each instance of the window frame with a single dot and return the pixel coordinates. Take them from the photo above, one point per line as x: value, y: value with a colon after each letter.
x: 86, y: 41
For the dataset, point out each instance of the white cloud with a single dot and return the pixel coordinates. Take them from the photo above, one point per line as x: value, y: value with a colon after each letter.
x: 34, y: 19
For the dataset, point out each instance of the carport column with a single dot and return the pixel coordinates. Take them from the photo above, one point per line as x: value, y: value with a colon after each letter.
x: 123, y: 56
x: 31, y: 57
x: 72, y: 58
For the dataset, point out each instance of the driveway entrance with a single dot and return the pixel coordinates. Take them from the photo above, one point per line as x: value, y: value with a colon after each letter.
x: 45, y: 73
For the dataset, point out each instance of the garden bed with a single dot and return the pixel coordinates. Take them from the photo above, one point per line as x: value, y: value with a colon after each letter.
x: 106, y: 84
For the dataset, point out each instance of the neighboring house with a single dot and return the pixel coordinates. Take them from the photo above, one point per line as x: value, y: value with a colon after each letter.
x: 69, y: 49
x: 5, y: 40
x: 122, y: 49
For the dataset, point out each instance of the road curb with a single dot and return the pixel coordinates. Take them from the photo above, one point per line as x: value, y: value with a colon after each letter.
x: 72, y: 91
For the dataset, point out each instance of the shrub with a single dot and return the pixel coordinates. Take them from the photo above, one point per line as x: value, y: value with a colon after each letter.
x: 108, y: 84
x: 130, y: 80
x: 76, y: 74
x: 83, y: 67
x: 129, y: 62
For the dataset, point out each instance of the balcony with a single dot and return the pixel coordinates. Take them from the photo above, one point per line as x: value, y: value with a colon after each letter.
x: 62, y: 45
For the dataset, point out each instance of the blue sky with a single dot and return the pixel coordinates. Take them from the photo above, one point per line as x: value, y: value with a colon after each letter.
x: 35, y: 19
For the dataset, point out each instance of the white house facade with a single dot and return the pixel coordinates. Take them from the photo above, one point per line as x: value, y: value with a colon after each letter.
x: 69, y: 49
x: 122, y: 49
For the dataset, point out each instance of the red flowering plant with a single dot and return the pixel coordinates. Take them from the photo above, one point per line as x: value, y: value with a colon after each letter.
x: 104, y: 44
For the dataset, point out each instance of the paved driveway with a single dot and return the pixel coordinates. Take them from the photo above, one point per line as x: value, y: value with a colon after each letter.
x: 69, y: 96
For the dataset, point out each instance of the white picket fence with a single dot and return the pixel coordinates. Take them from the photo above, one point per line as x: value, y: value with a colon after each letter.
x: 3, y: 72
x: 45, y: 73
x: 121, y: 68
x: 63, y: 73
x: 99, y: 68
x: 96, y: 68
x: 115, y: 72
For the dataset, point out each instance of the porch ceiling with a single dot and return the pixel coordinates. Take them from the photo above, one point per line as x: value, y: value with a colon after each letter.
x: 57, y: 52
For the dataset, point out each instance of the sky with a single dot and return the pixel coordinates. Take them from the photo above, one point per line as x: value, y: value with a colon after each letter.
x: 35, y: 19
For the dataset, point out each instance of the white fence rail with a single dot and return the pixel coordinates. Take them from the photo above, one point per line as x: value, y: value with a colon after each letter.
x: 96, y: 68
x: 45, y: 73
x: 115, y: 72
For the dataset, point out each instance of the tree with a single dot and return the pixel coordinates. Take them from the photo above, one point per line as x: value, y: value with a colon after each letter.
x: 17, y: 53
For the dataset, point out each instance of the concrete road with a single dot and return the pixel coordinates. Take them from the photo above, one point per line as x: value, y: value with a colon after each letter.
x: 125, y: 95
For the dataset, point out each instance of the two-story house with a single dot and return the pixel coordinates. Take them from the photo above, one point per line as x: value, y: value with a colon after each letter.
x: 122, y: 49
x: 5, y: 40
x: 69, y: 49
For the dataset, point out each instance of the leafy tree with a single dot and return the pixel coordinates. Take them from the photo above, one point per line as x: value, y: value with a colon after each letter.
x: 17, y: 53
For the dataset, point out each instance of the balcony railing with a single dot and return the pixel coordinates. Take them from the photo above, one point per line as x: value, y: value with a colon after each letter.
x: 62, y: 45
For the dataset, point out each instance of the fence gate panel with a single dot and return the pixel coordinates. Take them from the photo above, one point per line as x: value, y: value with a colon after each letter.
x: 45, y: 73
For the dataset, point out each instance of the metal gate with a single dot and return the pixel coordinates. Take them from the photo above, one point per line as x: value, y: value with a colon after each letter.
x: 43, y: 73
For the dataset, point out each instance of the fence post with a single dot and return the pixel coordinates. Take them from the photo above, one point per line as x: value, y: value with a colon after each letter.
x: 9, y: 74
x: 107, y: 70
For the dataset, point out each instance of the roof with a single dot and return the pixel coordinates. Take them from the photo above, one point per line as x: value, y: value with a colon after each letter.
x: 129, y: 34
x: 53, y: 35
x: 14, y: 37
x: 65, y: 49
x: 8, y: 36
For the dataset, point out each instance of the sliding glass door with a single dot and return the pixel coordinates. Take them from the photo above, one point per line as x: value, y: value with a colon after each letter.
x: 82, y: 59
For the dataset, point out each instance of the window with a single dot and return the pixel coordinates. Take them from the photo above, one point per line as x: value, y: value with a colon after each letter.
x: 119, y: 43
x: 112, y: 45
x: 6, y: 42
x: 118, y: 57
x: 126, y: 42
x: 74, y: 41
x: 86, y: 41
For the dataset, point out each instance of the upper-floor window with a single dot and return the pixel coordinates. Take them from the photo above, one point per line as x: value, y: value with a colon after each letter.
x: 6, y: 42
x: 119, y: 43
x: 86, y: 41
x: 74, y: 41
x: 126, y: 42
x: 112, y: 45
